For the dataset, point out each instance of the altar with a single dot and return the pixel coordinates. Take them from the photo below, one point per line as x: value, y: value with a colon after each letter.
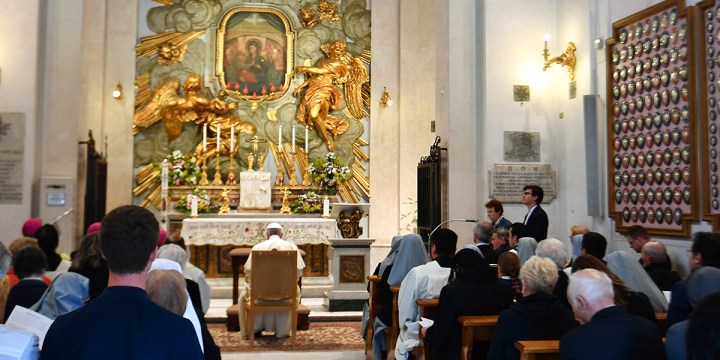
x: 212, y: 237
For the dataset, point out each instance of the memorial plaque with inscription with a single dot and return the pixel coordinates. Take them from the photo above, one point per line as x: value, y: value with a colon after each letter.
x: 12, y: 133
x: 508, y: 180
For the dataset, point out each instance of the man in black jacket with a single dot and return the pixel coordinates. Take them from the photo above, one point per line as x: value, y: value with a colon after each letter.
x: 536, y: 219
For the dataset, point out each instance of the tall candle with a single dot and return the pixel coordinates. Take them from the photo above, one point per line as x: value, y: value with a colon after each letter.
x: 326, y: 207
x: 232, y: 138
x: 280, y: 138
x: 306, y: 139
x: 194, y: 206
x: 546, y: 37
x: 204, y: 139
x: 217, y: 134
x: 293, y: 139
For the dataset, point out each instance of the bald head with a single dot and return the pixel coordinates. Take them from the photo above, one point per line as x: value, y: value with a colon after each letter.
x: 589, y: 291
x: 653, y: 252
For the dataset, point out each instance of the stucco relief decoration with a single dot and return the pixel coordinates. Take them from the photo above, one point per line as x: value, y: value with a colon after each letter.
x: 184, y: 44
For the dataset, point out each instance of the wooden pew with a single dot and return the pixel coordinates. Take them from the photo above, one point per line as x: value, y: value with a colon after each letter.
x: 428, y: 308
x: 538, y: 349
x: 661, y: 319
x: 475, y: 328
x: 394, y: 330
x: 374, y: 305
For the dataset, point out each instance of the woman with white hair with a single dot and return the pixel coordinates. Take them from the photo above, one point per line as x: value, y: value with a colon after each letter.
x: 554, y: 250
x: 191, y: 272
x: 539, y: 315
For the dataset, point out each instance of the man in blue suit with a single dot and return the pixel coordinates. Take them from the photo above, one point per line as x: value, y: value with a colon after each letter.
x: 122, y: 323
x: 536, y: 219
x: 608, y: 331
x: 495, y: 211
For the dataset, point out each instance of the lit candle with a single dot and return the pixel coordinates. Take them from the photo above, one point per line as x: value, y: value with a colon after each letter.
x: 217, y: 135
x: 280, y: 138
x: 232, y: 138
x: 204, y: 139
x: 306, y: 139
x: 545, y: 39
x: 293, y: 139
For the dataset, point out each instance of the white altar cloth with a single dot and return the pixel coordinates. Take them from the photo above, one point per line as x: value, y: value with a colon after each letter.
x: 250, y: 231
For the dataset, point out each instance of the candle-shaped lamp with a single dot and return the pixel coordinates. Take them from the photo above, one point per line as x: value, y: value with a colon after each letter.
x: 279, y: 138
x: 217, y: 134
x: 293, y: 139
x: 306, y: 139
x: 204, y: 139
x: 546, y: 38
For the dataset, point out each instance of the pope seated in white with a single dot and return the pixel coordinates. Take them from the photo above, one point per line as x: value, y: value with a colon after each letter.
x: 279, y: 322
x: 423, y: 282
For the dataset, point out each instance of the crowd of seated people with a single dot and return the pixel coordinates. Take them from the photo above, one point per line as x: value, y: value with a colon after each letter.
x: 576, y: 297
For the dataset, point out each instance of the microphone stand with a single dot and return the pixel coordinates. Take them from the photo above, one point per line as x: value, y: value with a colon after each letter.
x: 443, y: 223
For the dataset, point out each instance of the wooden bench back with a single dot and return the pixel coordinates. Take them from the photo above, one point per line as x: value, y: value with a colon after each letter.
x: 538, y: 349
x: 475, y: 328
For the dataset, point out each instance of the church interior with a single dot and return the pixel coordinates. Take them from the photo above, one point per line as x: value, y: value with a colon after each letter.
x: 258, y: 94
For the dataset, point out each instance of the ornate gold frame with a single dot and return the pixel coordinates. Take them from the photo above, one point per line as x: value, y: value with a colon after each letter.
x: 289, y: 37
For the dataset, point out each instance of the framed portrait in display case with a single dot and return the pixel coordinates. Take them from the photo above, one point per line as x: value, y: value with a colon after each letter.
x: 254, y: 53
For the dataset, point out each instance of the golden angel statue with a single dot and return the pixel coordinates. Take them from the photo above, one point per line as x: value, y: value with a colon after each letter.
x: 322, y: 96
x: 167, y: 106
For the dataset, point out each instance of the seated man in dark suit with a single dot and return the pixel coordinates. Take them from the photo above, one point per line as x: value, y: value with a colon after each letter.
x: 122, y: 323
x: 29, y: 264
x: 608, y: 330
x: 594, y: 244
x: 654, y: 259
x: 482, y: 233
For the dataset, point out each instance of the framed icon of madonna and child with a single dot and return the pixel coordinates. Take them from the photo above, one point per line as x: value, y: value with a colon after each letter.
x: 254, y: 53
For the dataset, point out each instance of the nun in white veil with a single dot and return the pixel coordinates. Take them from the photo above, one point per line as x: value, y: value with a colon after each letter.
x: 626, y: 266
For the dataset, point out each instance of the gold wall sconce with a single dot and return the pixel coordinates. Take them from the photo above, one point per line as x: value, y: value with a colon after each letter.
x: 565, y: 59
x: 385, y: 100
x: 118, y: 92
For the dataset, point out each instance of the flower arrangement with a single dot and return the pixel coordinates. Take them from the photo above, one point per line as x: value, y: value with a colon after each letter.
x: 308, y: 203
x: 327, y: 173
x: 184, y: 169
x: 206, y: 204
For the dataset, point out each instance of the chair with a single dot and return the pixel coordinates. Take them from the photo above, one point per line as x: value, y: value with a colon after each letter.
x: 428, y: 308
x: 273, y: 288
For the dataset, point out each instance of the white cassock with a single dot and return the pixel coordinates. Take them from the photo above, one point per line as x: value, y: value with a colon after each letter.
x: 422, y: 282
x: 280, y: 322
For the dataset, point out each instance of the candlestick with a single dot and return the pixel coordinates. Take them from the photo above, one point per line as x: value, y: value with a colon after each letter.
x: 280, y: 138
x: 217, y: 134
x: 204, y: 139
x: 293, y: 139
x: 545, y: 39
x: 232, y: 138
x: 306, y: 139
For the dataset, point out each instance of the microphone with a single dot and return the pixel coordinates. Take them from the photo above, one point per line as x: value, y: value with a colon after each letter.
x: 445, y: 222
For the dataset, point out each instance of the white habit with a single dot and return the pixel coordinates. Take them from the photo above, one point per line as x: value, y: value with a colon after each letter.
x: 422, y: 282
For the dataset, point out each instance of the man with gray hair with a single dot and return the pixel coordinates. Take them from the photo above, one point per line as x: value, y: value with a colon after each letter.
x: 554, y: 250
x: 15, y: 343
x: 608, y: 330
x: 500, y: 241
x: 482, y: 233
x: 654, y: 259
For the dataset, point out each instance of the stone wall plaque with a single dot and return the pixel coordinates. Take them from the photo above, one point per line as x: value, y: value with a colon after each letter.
x: 521, y: 146
x: 12, y: 135
x: 508, y: 180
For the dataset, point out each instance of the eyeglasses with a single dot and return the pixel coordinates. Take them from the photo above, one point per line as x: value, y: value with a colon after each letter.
x: 526, y: 193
